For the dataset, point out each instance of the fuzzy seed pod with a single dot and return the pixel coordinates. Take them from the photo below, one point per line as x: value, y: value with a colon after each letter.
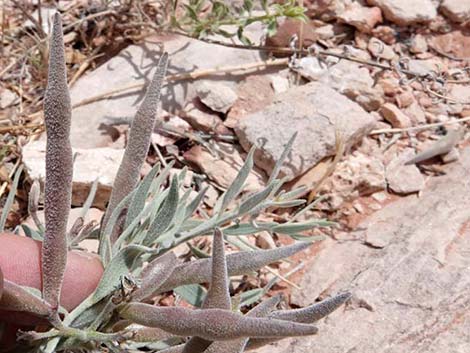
x: 16, y: 298
x: 139, y: 142
x: 58, y: 188
x: 237, y: 264
x: 212, y: 324
x: 218, y: 296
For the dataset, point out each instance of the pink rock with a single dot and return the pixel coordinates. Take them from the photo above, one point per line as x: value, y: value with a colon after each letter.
x: 363, y: 18
x: 395, y: 116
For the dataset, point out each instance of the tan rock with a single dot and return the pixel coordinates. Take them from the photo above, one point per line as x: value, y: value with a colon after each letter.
x: 405, y: 12
x: 224, y: 168
x: 395, y: 116
x: 456, y: 10
x: 361, y: 17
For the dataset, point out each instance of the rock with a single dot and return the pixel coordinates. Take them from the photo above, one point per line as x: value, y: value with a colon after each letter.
x: 395, y: 116
x: 163, y: 136
x: 89, y: 165
x: 416, y: 114
x: 313, y: 111
x: 8, y: 98
x: 380, y: 50
x: 404, y: 179
x: 456, y: 10
x: 356, y: 83
x: 254, y: 93
x: 361, y: 17
x: 264, y: 240
x: 46, y: 16
x: 357, y: 175
x: 455, y: 43
x: 423, y: 67
x: 386, y: 34
x: 325, y: 32
x: 136, y: 64
x: 224, y: 168
x: 404, y: 12
x: 216, y: 96
x: 419, y: 44
x: 93, y: 215
x: 287, y: 29
x: 203, y: 119
x: 346, y: 77
x: 413, y: 285
x: 279, y: 83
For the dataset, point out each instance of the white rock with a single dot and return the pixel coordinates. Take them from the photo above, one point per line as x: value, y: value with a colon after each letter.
x: 89, y: 165
x: 456, y: 10
x: 406, y: 12
x: 217, y: 96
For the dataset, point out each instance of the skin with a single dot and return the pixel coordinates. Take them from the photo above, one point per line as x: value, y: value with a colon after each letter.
x: 20, y: 262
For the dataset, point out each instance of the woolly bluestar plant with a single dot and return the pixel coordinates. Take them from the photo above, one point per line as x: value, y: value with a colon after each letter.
x: 143, y: 223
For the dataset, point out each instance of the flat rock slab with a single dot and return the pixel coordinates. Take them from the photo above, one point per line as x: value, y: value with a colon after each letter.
x: 136, y: 64
x: 409, y: 295
x: 314, y: 111
x: 89, y: 165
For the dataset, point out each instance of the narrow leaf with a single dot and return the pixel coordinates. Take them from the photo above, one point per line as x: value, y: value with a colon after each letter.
x: 10, y: 198
x: 166, y: 213
x: 280, y: 161
x: 138, y: 201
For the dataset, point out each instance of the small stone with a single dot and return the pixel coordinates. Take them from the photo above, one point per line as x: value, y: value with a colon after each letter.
x: 89, y: 165
x: 325, y: 32
x: 8, y: 98
x: 280, y: 84
x: 404, y: 179
x: 386, y: 34
x: 203, y: 119
x: 223, y: 168
x: 405, y: 99
x: 416, y: 113
x: 405, y: 12
x: 211, y: 195
x: 418, y: 44
x: 265, y: 241
x: 361, y: 17
x: 395, y: 116
x: 456, y: 10
x: 287, y: 29
x: 450, y: 157
x: 380, y: 50
x: 216, y: 96
x: 379, y: 196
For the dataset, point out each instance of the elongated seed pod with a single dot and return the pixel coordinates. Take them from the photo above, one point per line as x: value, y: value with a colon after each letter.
x: 211, y: 324
x: 314, y: 312
x: 58, y: 188
x: 16, y: 298
x: 139, y: 142
x: 309, y: 314
x: 155, y: 274
x: 218, y: 295
x: 239, y: 263
x: 238, y: 345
